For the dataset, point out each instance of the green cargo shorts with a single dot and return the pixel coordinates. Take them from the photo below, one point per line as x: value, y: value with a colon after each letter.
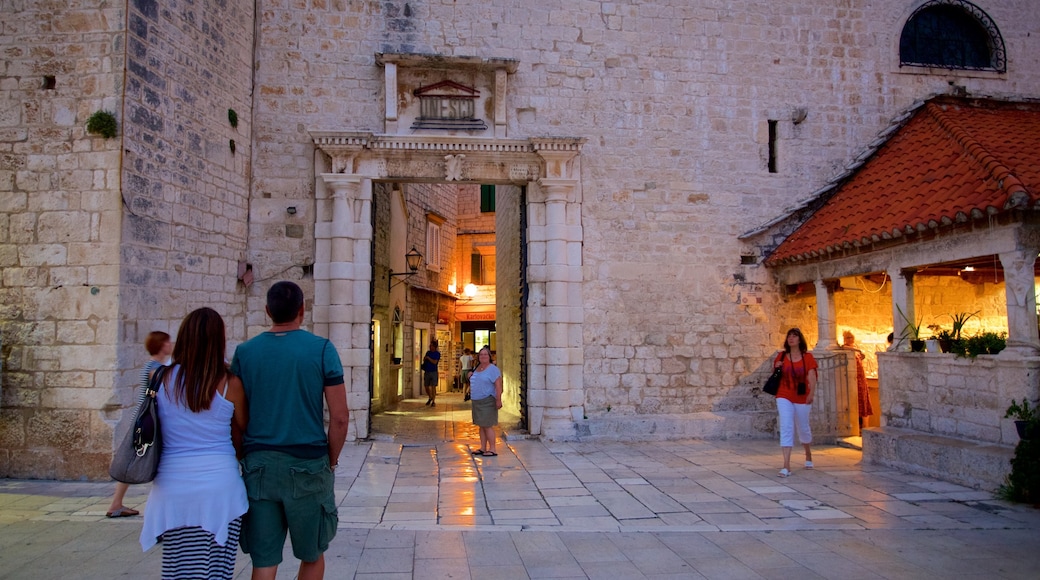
x: 287, y: 494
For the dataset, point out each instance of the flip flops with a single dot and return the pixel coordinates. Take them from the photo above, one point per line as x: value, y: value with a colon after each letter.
x: 477, y: 452
x: 784, y: 473
x: 490, y: 454
x: 123, y: 512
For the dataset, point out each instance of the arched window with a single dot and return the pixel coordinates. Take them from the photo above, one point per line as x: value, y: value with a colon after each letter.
x: 951, y: 34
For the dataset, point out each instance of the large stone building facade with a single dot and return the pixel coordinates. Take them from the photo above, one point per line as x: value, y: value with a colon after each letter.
x: 644, y: 137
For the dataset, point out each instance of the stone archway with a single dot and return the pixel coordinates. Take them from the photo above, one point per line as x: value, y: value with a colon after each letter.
x: 550, y: 167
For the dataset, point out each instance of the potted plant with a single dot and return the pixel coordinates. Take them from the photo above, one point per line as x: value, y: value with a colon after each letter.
x: 1027, y: 418
x: 945, y: 338
x: 958, y: 322
x: 933, y: 340
x: 912, y: 331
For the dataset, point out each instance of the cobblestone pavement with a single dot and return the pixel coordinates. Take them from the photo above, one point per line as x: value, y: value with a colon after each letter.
x: 415, y: 503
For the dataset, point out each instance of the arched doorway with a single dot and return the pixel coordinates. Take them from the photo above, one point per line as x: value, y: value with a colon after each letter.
x: 548, y: 169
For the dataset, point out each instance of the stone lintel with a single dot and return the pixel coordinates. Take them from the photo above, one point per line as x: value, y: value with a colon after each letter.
x: 444, y: 62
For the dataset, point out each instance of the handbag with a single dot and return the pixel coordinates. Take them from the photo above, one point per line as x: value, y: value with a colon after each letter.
x: 772, y: 385
x: 136, y: 458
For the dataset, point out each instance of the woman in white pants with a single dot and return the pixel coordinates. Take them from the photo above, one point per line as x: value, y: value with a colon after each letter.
x: 794, y: 399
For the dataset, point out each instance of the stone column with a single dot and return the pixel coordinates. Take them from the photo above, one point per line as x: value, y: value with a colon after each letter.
x: 902, y: 305
x: 1020, y: 291
x: 556, y: 394
x: 342, y: 285
x: 826, y: 318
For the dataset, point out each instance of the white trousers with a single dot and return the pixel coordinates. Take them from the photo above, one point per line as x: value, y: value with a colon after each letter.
x: 793, y: 417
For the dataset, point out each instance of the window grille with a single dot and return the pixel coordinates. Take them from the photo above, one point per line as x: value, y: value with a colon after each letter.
x: 951, y: 34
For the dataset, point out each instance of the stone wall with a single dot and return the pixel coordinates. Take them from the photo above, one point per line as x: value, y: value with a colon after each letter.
x: 104, y: 240
x: 946, y: 395
x: 59, y: 236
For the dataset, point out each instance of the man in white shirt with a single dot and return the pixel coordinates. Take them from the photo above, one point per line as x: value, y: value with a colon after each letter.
x: 466, y: 364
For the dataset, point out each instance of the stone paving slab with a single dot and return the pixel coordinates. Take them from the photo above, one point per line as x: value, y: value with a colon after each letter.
x: 418, y: 505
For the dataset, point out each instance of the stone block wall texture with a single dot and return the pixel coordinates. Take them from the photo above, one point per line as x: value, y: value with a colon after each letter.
x: 950, y: 396
x: 60, y: 217
x: 105, y: 240
x: 674, y: 98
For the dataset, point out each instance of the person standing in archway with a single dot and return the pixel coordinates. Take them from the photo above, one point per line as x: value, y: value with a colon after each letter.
x: 487, y: 400
x: 430, y: 377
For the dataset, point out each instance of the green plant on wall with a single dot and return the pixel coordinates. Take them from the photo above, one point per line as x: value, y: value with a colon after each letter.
x: 959, y: 320
x: 982, y: 343
x: 102, y: 123
x: 232, y: 118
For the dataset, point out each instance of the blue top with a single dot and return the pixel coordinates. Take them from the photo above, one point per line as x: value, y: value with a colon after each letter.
x: 285, y: 375
x: 482, y: 383
x: 427, y: 365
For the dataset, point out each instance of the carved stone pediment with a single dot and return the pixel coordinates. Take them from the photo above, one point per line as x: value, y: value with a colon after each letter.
x: 445, y: 95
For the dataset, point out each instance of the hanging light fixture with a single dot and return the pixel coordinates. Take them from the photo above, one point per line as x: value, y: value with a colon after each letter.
x: 414, y: 259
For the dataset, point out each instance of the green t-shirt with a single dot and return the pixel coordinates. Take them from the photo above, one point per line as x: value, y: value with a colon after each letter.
x: 285, y: 375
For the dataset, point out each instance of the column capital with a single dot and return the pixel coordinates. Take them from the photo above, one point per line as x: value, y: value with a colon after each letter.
x: 552, y: 190
x: 559, y: 154
x: 348, y: 185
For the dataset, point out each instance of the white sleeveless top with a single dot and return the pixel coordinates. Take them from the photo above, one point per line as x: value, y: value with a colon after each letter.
x: 199, y: 483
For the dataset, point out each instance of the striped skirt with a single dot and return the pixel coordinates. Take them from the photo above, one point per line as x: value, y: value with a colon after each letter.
x: 189, y: 553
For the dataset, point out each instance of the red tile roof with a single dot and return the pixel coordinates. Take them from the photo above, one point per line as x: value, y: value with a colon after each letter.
x: 953, y: 161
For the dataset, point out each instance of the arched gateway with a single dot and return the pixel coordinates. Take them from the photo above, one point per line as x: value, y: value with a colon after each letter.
x: 549, y: 167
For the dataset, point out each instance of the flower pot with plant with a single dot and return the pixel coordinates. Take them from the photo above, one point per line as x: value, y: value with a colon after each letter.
x: 912, y: 331
x: 1027, y: 418
x: 945, y: 339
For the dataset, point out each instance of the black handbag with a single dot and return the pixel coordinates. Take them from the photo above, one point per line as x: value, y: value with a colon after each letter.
x: 136, y: 458
x: 772, y: 385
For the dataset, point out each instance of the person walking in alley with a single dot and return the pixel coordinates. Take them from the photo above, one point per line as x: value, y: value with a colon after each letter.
x: 430, y: 376
x: 794, y: 399
x: 290, y: 460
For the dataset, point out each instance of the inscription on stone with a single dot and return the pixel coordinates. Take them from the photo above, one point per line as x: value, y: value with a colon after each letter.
x: 448, y: 105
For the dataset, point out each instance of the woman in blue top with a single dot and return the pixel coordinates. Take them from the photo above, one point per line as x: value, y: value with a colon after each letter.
x: 485, y: 388
x: 198, y: 498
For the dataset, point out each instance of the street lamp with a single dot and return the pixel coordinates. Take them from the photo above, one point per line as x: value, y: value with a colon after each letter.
x: 414, y: 260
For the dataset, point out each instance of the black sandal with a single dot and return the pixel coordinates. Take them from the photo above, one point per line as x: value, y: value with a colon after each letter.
x: 490, y: 454
x: 477, y: 452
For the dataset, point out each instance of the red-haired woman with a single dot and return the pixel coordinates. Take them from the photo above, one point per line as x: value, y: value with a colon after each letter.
x: 794, y: 399
x: 159, y: 349
x: 197, y: 499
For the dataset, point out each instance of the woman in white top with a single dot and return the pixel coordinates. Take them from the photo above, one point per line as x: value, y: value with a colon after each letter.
x: 197, y: 499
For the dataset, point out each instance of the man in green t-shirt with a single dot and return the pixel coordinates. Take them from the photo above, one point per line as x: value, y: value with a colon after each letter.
x: 288, y: 375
